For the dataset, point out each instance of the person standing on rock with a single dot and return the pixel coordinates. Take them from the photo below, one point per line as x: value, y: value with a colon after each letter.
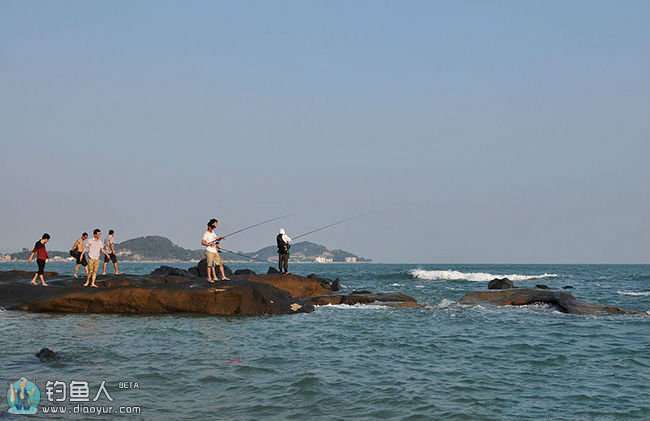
x: 94, y: 247
x: 75, y: 252
x: 284, y: 243
x: 41, y: 258
x: 109, y: 245
x: 210, y: 241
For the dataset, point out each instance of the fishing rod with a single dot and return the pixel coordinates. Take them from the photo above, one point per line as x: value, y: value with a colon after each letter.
x: 329, y: 225
x: 243, y: 255
x: 258, y: 224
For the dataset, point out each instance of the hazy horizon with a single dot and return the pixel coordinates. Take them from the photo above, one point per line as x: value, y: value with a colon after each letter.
x: 482, y: 132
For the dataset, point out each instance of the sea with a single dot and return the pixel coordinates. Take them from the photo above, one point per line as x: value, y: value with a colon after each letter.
x: 436, y: 362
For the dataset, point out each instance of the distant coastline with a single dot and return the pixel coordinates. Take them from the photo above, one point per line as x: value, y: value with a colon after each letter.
x: 153, y: 249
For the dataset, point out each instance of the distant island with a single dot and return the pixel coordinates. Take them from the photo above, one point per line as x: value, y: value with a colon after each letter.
x: 156, y: 248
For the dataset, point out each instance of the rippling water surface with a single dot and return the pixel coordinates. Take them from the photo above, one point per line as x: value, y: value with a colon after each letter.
x: 440, y: 361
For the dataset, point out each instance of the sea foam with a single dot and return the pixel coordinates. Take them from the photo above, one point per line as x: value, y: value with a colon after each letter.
x: 634, y: 293
x: 453, y: 275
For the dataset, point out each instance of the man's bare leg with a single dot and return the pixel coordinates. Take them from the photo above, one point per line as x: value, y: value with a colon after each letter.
x: 223, y: 275
x: 34, y: 279
x: 43, y: 281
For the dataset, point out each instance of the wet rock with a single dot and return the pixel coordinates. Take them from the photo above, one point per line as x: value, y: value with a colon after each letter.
x: 503, y: 283
x: 171, y: 271
x: 541, y: 286
x: 244, y: 272
x: 245, y: 294
x: 46, y: 354
x: 272, y: 270
x: 359, y: 292
x: 567, y: 287
x: 562, y: 301
x: 336, y: 285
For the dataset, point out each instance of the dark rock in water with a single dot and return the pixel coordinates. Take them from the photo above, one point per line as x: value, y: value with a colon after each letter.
x: 312, y: 276
x: 272, y: 270
x: 562, y: 301
x: 541, y: 286
x: 46, y: 354
x: 503, y: 283
x: 336, y: 285
x: 387, y: 299
x: 244, y: 272
x: 171, y: 271
x: 146, y: 294
x: 202, y: 268
x: 363, y: 291
x: 567, y: 287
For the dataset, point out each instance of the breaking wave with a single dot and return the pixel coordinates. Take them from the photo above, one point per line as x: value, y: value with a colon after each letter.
x: 634, y: 293
x: 453, y: 275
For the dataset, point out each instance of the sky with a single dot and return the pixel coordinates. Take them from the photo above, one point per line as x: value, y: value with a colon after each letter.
x: 475, y: 131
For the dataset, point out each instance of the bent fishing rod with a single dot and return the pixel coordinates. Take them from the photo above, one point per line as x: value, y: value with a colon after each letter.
x: 303, y: 235
x: 257, y: 225
x: 329, y: 225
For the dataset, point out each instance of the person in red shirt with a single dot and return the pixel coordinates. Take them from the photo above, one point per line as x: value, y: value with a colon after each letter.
x: 41, y: 258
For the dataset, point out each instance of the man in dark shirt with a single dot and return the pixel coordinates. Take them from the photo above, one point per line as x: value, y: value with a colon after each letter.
x: 41, y: 258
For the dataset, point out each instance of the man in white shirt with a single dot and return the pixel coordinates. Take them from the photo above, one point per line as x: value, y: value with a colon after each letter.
x: 210, y: 242
x: 94, y: 247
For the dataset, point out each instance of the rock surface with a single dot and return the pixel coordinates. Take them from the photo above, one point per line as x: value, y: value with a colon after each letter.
x: 562, y: 301
x: 171, y: 290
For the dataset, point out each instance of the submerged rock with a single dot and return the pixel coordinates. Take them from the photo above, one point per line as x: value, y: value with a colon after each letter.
x: 336, y: 285
x: 541, y: 286
x: 562, y: 301
x: 46, y: 354
x: 503, y: 283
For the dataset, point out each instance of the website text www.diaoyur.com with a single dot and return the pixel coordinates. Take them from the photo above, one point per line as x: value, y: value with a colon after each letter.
x: 91, y: 410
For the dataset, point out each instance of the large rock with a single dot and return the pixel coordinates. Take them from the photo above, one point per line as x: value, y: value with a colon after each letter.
x: 562, y: 301
x: 169, y: 291
x: 202, y: 269
x: 503, y: 283
x: 172, y: 271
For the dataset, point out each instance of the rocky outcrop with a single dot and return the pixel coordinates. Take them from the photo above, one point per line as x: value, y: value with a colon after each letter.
x: 503, y: 283
x: 170, y: 290
x: 562, y: 301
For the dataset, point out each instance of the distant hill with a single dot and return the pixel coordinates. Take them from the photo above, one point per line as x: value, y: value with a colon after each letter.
x: 156, y: 248
x: 306, y: 251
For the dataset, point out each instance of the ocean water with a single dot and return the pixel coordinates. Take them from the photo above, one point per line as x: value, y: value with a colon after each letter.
x: 439, y: 361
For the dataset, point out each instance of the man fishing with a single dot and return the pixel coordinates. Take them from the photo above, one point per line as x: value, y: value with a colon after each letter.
x: 210, y: 241
x: 284, y: 244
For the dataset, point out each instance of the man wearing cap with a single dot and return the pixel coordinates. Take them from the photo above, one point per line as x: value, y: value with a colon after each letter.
x: 210, y: 241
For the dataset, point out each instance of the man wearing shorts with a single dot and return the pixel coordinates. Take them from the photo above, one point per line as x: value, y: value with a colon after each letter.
x: 94, y: 247
x: 41, y: 258
x: 109, y: 245
x: 75, y: 252
x: 209, y: 241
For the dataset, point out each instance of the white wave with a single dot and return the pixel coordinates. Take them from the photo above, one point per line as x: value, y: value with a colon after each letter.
x: 445, y: 303
x: 634, y: 293
x: 396, y: 285
x: 454, y: 275
x: 354, y: 306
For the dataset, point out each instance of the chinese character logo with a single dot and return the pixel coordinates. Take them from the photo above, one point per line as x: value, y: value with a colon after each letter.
x: 23, y: 397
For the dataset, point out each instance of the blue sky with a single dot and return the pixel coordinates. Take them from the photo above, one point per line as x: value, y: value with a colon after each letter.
x: 502, y: 131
